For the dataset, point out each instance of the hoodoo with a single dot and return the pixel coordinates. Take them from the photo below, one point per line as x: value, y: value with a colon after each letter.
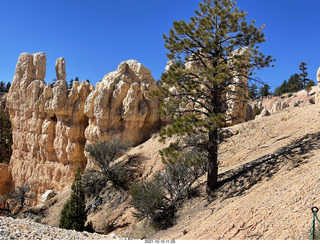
x: 51, y: 125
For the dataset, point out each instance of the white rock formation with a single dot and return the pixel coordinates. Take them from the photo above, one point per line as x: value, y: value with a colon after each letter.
x: 51, y: 125
x: 120, y: 106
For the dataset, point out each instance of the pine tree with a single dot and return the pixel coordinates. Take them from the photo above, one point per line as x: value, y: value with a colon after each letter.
x: 70, y: 84
x: 208, y: 54
x: 2, y: 86
x: 303, y: 75
x: 253, y: 91
x: 8, y: 87
x: 73, y: 214
x: 294, y: 83
x: 264, y: 90
x: 309, y: 86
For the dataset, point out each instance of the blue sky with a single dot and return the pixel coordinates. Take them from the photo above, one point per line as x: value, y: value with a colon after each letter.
x: 95, y: 36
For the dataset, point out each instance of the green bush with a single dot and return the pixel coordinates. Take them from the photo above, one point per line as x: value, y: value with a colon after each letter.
x: 159, y: 198
x: 89, y: 227
x: 104, y: 155
x: 93, y: 183
x: 19, y: 200
x: 147, y: 198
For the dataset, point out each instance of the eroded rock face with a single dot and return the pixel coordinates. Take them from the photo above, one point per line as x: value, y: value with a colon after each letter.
x: 5, y: 179
x: 121, y: 107
x: 48, y: 125
x: 51, y: 125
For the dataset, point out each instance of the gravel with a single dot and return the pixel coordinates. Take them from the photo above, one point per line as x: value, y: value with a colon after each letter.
x: 25, y: 229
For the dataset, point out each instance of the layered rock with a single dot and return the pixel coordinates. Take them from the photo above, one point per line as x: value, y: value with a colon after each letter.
x: 48, y: 125
x: 121, y: 107
x: 253, y: 109
x: 51, y: 125
x: 237, y: 94
x: 278, y: 106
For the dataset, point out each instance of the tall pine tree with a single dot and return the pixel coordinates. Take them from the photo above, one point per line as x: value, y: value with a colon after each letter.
x: 208, y: 54
x: 73, y: 214
x: 303, y: 75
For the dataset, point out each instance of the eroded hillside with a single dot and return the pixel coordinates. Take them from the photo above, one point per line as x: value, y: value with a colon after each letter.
x: 269, y: 180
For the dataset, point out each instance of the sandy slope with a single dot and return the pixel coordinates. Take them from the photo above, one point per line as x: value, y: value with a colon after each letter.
x: 269, y: 174
x: 270, y: 196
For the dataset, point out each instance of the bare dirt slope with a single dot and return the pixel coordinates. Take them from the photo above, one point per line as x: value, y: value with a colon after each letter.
x: 269, y: 178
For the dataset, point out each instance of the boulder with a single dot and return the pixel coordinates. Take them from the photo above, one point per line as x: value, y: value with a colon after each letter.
x: 264, y: 113
x: 253, y: 109
x: 46, y: 196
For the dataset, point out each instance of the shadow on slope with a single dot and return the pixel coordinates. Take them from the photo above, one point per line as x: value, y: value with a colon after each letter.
x: 236, y: 181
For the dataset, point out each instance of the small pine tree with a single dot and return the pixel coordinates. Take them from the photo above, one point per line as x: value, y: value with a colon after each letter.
x: 76, y: 79
x: 253, y: 91
x: 2, y: 86
x: 70, y: 84
x: 309, y: 86
x: 8, y: 87
x: 73, y: 214
x: 303, y: 75
x: 265, y: 90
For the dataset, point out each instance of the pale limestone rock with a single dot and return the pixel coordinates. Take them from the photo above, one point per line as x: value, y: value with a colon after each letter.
x: 121, y: 105
x: 61, y: 69
x: 278, y: 106
x: 236, y: 97
x: 264, y: 113
x: 48, y: 125
x: 275, y: 107
x: 169, y: 63
x: 51, y: 125
x: 294, y: 104
x: 46, y: 196
x: 253, y: 109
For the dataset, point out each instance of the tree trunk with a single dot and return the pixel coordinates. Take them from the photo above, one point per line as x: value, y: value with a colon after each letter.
x: 212, y: 177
